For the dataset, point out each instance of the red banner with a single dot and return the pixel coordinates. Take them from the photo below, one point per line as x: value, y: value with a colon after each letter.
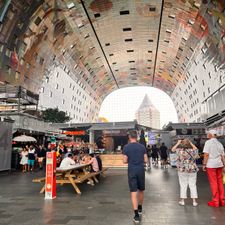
x: 75, y: 133
x: 50, y: 180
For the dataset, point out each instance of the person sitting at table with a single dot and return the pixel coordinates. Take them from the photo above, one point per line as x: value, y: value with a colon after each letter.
x: 85, y: 159
x: 94, y: 163
x: 67, y: 161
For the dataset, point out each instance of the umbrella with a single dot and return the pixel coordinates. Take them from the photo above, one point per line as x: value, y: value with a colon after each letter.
x: 24, y: 138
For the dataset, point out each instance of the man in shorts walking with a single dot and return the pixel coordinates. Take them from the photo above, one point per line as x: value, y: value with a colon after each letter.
x: 135, y: 155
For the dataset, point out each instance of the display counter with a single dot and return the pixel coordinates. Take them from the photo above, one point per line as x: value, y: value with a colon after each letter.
x: 113, y: 160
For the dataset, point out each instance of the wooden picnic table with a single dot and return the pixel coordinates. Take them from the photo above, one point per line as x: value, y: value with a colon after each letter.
x: 74, y: 174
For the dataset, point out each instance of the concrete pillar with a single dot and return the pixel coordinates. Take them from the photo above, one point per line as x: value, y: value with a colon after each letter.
x: 91, y: 140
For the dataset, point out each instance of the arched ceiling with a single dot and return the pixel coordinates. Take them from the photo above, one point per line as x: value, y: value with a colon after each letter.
x: 108, y: 44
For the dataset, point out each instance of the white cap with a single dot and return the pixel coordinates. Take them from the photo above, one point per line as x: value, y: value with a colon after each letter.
x: 213, y: 132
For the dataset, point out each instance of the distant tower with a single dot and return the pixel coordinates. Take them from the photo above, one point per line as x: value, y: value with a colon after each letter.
x: 147, y: 114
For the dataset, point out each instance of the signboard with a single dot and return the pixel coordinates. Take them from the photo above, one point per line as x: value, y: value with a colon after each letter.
x: 53, y: 139
x: 75, y: 133
x: 50, y: 183
x: 115, y: 133
x: 184, y: 131
x: 191, y: 137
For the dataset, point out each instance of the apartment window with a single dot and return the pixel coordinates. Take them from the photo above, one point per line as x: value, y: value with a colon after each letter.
x: 50, y: 94
x: 127, y: 29
x: 63, y: 101
x: 57, y: 86
x: 125, y: 12
x: 37, y: 21
x: 62, y: 90
x: 97, y: 15
x: 210, y: 75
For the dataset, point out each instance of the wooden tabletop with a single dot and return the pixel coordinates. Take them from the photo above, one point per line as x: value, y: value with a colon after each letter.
x: 72, y: 167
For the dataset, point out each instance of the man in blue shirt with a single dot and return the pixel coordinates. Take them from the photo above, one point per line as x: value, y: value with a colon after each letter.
x: 135, y: 155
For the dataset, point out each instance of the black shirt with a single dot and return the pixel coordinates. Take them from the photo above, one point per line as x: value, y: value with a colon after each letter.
x: 163, y: 151
x: 31, y: 154
x: 41, y: 153
x: 135, y: 153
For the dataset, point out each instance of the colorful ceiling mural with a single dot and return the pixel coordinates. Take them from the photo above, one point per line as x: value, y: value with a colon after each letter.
x: 108, y: 44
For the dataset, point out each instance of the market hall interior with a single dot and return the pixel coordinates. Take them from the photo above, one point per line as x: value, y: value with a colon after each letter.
x: 73, y: 53
x: 97, y: 47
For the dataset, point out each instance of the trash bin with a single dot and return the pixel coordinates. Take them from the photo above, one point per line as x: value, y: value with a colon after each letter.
x: 15, y: 161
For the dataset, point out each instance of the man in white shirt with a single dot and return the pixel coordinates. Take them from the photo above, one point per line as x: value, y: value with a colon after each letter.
x: 67, y: 162
x: 214, y: 164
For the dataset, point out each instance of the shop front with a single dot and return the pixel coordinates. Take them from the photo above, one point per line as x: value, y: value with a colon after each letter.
x: 107, y: 138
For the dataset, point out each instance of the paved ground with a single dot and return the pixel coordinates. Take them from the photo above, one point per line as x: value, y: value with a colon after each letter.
x: 106, y: 203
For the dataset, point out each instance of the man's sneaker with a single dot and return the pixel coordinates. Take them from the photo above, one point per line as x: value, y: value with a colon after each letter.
x: 136, y: 219
x: 139, y: 210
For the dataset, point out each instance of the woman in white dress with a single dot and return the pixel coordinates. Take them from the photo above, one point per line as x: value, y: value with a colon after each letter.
x: 24, y: 159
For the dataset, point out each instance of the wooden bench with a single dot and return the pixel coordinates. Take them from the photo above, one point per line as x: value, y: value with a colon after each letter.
x: 102, y: 172
x: 72, y: 176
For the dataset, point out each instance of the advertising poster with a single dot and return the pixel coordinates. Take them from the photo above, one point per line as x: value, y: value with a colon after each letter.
x: 151, y: 138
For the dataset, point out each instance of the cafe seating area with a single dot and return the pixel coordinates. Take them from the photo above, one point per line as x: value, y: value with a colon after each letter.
x: 74, y: 175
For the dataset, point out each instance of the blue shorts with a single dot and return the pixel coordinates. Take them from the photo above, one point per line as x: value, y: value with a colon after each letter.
x: 31, y: 162
x: 136, y: 179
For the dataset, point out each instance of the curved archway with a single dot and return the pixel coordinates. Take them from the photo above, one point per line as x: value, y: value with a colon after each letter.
x: 176, y: 46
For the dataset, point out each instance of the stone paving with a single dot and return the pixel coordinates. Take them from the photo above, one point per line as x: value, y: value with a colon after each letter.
x: 107, y: 203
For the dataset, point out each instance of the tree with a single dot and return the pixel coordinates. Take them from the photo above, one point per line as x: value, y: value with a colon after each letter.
x: 55, y: 116
x: 142, y: 138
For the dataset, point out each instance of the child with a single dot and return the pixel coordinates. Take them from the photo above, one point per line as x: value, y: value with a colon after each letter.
x: 24, y: 159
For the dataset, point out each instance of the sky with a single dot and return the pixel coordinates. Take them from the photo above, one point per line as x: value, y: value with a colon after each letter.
x: 122, y: 104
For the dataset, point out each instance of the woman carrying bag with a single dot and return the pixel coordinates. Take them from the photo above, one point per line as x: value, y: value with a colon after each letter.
x: 187, y: 153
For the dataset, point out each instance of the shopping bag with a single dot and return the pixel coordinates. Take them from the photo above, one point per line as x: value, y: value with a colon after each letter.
x: 223, y: 178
